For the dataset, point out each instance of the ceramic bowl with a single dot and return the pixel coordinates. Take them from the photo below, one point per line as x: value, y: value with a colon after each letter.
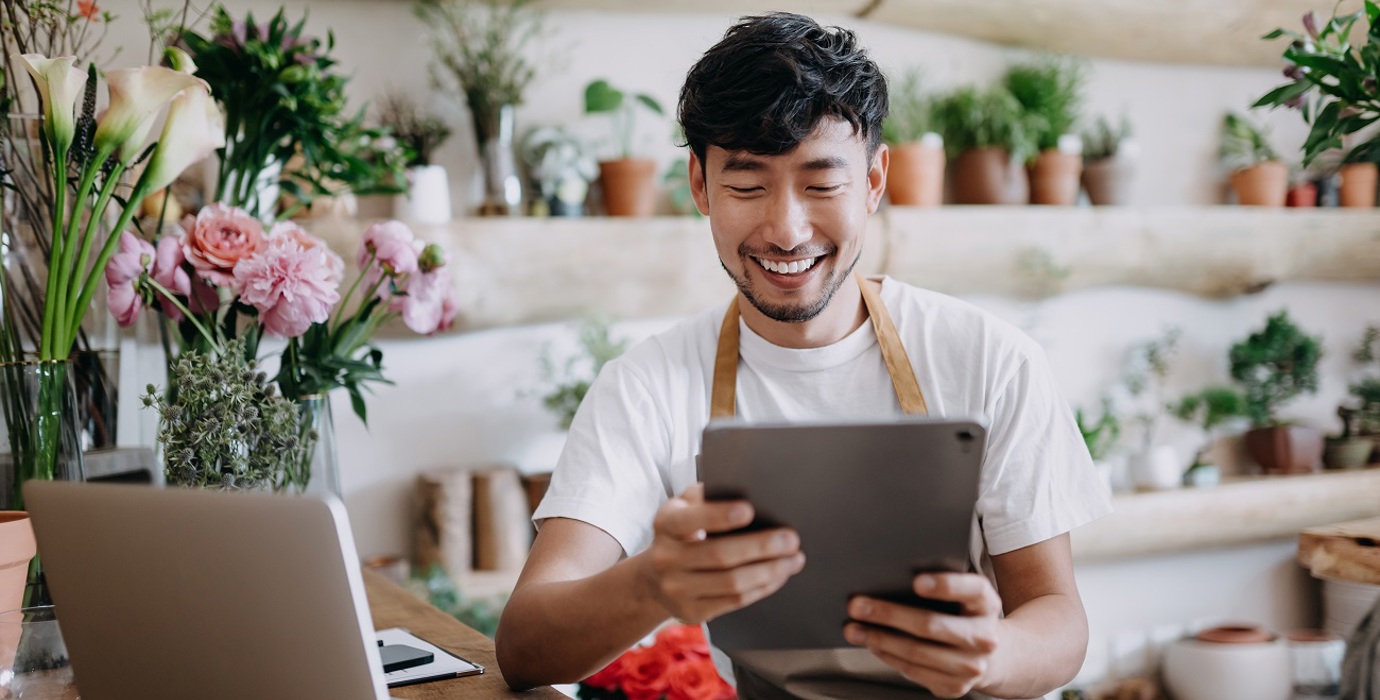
x: 1206, y: 670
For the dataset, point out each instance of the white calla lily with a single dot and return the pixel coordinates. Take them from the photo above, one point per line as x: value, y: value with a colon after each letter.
x: 195, y: 128
x: 180, y: 60
x: 137, y: 95
x: 60, y: 85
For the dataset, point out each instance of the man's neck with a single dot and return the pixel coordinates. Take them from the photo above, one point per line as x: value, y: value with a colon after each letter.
x: 844, y: 314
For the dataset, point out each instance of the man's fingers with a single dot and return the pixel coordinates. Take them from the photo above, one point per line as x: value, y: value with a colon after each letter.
x: 694, y: 494
x: 968, y: 633
x: 731, y: 551
x: 940, y: 657
x: 720, y: 605
x: 938, y: 683
x: 687, y: 521
x: 973, y: 591
x: 743, y: 579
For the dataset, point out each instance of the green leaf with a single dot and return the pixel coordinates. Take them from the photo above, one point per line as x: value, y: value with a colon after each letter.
x: 357, y: 403
x: 1273, y: 35
x: 651, y: 103
x: 1283, y: 93
x: 1323, y: 125
x: 602, y: 97
x: 1372, y: 13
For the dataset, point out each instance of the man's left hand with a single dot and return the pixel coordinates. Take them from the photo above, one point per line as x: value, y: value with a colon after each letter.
x: 950, y: 655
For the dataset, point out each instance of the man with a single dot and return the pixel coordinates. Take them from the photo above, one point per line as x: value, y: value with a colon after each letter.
x: 783, y: 120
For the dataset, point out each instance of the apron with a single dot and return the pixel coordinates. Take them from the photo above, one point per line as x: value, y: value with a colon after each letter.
x: 819, y: 674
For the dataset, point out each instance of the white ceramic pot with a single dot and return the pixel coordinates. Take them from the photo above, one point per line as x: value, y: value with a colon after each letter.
x: 1157, y: 469
x: 1195, y: 670
x: 1344, y: 603
x: 428, y: 198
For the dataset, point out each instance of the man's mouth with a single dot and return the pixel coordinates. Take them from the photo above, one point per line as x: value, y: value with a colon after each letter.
x: 787, y: 267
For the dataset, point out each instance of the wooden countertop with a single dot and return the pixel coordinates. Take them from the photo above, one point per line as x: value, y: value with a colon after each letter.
x: 392, y: 606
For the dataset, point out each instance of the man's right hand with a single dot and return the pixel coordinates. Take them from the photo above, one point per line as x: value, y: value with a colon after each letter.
x: 697, y: 577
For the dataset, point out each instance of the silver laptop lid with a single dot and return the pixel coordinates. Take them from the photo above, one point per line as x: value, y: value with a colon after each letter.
x: 175, y: 594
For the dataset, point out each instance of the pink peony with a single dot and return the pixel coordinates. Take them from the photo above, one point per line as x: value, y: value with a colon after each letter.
x: 428, y: 304
x: 291, y: 286
x: 393, y: 247
x: 289, y: 230
x: 168, y: 271
x: 218, y: 239
x: 122, y: 272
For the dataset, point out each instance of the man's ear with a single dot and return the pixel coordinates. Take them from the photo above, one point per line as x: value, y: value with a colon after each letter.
x: 698, y: 188
x: 876, y: 178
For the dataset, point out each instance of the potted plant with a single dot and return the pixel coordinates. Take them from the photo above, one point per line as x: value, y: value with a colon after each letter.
x: 987, y: 135
x: 1332, y: 82
x: 1050, y: 92
x: 1258, y: 176
x: 1152, y: 465
x: 1360, y: 414
x: 482, y: 56
x: 1100, y: 436
x: 1209, y: 409
x: 562, y: 168
x: 1272, y: 366
x: 1109, y: 162
x: 629, y: 183
x: 427, y: 200
x: 1303, y: 188
x: 916, y: 173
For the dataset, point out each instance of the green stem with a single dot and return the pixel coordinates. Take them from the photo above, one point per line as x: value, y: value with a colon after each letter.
x: 50, y: 313
x: 345, y: 300
x: 65, y: 270
x: 88, y: 288
x: 163, y: 291
x: 88, y: 239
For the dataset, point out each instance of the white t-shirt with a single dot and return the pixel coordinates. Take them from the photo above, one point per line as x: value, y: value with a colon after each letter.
x: 633, y: 442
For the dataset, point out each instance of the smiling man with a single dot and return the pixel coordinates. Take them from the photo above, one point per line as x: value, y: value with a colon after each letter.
x: 783, y: 119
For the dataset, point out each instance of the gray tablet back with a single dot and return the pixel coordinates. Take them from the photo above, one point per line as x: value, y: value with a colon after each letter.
x: 874, y: 503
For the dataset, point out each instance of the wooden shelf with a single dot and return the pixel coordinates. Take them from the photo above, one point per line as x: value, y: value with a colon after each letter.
x: 1247, y: 509
x: 525, y: 270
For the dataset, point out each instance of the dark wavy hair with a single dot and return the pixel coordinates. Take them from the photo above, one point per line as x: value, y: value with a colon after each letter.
x: 766, y: 86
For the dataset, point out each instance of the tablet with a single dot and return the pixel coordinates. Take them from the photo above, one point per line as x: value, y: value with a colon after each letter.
x: 875, y: 503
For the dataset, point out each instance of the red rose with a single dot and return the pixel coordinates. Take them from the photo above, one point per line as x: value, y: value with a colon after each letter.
x: 696, y: 679
x: 645, y: 671
x: 610, y: 678
x: 685, y: 641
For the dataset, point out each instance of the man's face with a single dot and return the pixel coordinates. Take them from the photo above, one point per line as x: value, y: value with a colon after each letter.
x: 789, y: 227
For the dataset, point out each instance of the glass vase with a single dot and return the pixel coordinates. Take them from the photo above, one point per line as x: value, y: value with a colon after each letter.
x: 493, y: 131
x: 33, y: 657
x: 315, y: 469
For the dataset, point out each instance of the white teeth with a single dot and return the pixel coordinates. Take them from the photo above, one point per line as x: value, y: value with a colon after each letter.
x: 786, y: 268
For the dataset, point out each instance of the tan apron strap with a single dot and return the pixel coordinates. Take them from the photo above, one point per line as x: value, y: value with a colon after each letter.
x: 893, y: 352
x: 724, y: 396
x: 723, y: 392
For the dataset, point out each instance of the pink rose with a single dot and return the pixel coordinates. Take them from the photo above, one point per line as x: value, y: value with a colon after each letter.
x: 218, y: 239
x: 393, y: 246
x: 169, y: 273
x: 291, y: 231
x: 291, y: 286
x: 122, y: 272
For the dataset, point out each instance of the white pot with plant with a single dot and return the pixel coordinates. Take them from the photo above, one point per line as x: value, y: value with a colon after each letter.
x: 1209, y: 409
x: 1109, y: 162
x: 916, y: 174
x: 1100, y: 436
x: 1154, y: 464
x: 1258, y: 176
x: 630, y: 184
x: 427, y: 200
x: 561, y: 167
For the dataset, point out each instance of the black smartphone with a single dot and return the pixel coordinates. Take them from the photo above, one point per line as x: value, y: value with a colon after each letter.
x: 397, y: 657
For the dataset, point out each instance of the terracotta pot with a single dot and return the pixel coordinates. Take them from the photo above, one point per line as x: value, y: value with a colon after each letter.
x: 987, y: 176
x: 1358, y: 184
x: 1302, y: 195
x: 916, y: 175
x: 1262, y: 185
x: 1286, y: 449
x: 17, y: 548
x: 1351, y: 453
x: 629, y: 186
x: 1054, y: 178
x: 1108, y: 181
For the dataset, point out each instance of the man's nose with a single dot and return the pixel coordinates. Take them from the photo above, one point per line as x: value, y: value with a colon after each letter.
x: 788, y: 223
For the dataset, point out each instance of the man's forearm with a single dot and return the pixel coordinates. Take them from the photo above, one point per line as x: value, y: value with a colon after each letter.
x: 1042, y: 645
x: 562, y: 631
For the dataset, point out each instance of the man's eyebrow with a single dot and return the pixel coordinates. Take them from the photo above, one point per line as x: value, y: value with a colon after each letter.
x: 826, y: 163
x: 741, y: 164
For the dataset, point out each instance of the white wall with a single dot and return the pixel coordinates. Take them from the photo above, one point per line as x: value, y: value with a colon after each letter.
x: 1175, y: 110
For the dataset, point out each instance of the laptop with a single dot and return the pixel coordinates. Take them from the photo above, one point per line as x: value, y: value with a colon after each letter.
x: 178, y: 593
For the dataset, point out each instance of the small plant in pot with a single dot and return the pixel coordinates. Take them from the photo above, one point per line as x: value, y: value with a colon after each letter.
x: 562, y: 168
x: 1152, y: 463
x: 1100, y: 435
x: 629, y: 183
x: 1050, y: 92
x: 916, y: 174
x: 428, y: 197
x: 987, y: 136
x: 1109, y: 157
x: 1272, y: 366
x: 1258, y: 176
x: 1209, y: 409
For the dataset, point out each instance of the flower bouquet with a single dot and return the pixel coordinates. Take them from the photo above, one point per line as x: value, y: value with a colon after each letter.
x: 225, y: 277
x: 675, y: 667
